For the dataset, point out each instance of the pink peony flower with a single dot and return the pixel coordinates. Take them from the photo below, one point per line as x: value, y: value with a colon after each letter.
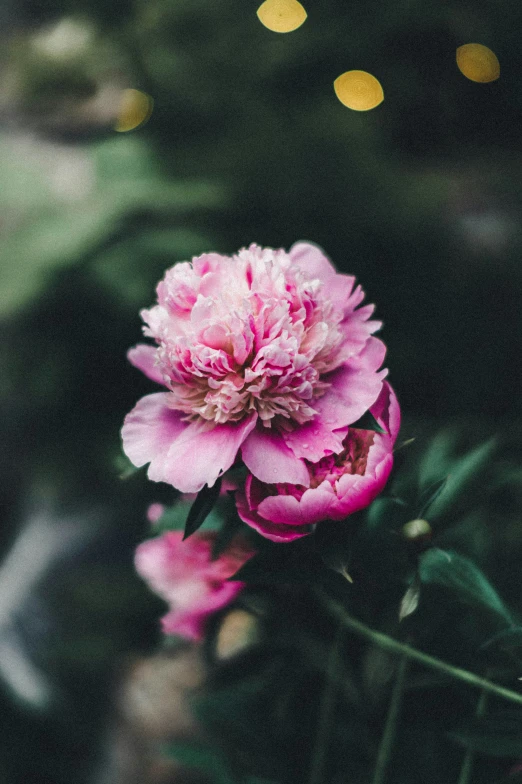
x: 183, y: 574
x: 338, y: 485
x: 265, y: 353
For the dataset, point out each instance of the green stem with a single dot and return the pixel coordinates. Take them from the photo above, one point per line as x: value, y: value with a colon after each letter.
x: 394, y: 646
x: 326, y: 710
x: 390, y: 728
x: 467, y: 763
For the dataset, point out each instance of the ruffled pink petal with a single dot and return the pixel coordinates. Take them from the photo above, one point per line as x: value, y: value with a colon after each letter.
x: 362, y: 490
x: 357, y: 326
x: 354, y: 387
x: 265, y: 453
x: 149, y: 431
x: 143, y: 357
x: 314, y: 440
x: 313, y: 261
x: 200, y: 454
x: 355, y: 492
x: 272, y: 531
x: 387, y: 412
x: 313, y: 506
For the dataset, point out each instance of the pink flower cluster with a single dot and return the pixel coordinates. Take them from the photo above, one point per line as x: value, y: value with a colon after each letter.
x: 183, y: 573
x: 265, y: 355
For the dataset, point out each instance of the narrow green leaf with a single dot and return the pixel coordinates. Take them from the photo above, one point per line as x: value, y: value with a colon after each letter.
x: 436, y: 461
x: 431, y: 496
x: 386, y: 510
x: 450, y: 570
x: 368, y: 422
x: 462, y: 475
x: 202, y: 507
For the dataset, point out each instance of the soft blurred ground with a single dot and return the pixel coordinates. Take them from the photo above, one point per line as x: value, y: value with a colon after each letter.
x: 419, y: 198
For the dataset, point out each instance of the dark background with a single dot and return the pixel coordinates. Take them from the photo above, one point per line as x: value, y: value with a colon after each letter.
x: 419, y: 198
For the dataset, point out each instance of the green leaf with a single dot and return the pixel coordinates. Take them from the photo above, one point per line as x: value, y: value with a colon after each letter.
x: 368, y: 422
x: 386, y: 510
x: 496, y: 735
x: 453, y: 571
x: 201, y: 508
x: 468, y: 470
x: 436, y: 461
x: 431, y: 495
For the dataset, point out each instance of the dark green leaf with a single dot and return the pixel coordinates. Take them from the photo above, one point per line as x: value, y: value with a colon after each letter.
x: 368, y: 422
x: 436, y: 461
x: 497, y: 735
x: 453, y: 571
x: 431, y: 496
x: 389, y: 511
x: 460, y: 478
x: 202, y: 507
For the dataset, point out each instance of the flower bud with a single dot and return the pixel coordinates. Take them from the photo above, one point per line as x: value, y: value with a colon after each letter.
x: 417, y: 531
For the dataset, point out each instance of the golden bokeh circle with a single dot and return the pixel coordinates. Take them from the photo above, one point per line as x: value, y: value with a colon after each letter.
x: 478, y: 63
x: 134, y: 109
x: 281, y: 16
x: 359, y: 90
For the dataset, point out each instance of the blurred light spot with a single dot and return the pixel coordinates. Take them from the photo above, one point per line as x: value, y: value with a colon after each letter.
x: 238, y: 630
x: 65, y: 40
x: 478, y: 63
x: 359, y: 90
x: 134, y: 110
x: 154, y: 512
x: 488, y: 232
x: 281, y: 16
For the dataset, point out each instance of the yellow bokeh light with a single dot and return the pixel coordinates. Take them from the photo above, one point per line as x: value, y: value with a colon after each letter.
x: 478, y: 63
x: 359, y: 90
x: 281, y: 16
x: 134, y: 110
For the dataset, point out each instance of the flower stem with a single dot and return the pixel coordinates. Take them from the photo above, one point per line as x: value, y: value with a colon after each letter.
x: 326, y: 710
x: 389, y: 644
x: 390, y: 727
x: 467, y: 763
